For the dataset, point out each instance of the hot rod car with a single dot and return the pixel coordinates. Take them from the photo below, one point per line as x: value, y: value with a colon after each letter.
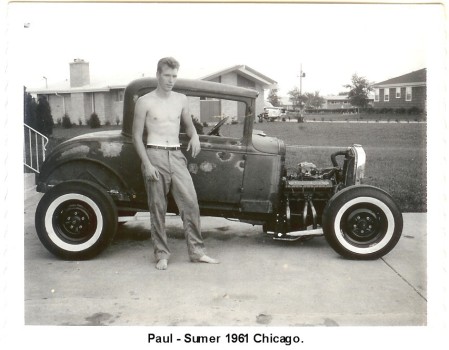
x: 93, y: 182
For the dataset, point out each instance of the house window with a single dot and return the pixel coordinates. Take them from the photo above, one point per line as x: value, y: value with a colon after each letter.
x: 386, y: 94
x: 398, y: 92
x: 408, y: 93
x: 119, y: 95
x: 376, y: 95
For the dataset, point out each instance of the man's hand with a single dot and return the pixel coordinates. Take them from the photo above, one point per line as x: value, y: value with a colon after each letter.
x: 194, y: 143
x: 150, y: 172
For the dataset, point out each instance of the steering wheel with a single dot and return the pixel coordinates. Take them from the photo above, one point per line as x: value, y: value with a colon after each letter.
x: 216, y: 128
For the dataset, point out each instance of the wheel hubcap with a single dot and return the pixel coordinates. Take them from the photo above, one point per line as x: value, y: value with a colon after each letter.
x: 74, y: 222
x: 363, y: 226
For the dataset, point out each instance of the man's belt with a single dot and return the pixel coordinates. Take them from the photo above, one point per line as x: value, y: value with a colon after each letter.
x: 167, y: 148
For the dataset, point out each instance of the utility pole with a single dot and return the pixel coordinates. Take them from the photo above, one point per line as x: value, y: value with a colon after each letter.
x: 301, y: 108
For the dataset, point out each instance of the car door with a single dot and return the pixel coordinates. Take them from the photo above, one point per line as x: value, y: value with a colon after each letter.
x: 217, y: 171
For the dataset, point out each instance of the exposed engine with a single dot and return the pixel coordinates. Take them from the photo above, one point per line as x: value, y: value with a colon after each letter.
x: 309, y: 171
x: 307, y: 191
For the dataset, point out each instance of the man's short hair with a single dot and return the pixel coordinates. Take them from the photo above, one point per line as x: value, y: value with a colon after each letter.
x: 167, y: 61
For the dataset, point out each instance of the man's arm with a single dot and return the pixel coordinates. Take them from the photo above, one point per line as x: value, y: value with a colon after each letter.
x: 194, y: 142
x: 140, y: 113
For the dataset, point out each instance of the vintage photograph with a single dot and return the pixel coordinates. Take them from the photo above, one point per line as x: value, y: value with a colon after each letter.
x: 227, y: 165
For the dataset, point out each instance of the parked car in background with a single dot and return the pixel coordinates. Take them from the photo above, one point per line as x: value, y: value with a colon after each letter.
x: 274, y: 113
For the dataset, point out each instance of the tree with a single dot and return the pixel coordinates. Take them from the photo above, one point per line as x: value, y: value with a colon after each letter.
x: 296, y: 98
x: 44, y: 119
x: 314, y: 100
x: 273, y: 98
x: 358, y: 91
x: 30, y: 107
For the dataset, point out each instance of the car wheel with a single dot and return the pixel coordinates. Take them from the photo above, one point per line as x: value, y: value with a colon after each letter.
x: 76, y: 220
x: 362, y: 222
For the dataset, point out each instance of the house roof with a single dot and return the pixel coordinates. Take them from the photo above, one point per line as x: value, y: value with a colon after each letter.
x: 63, y: 87
x: 418, y: 77
x: 246, y: 72
x: 102, y: 86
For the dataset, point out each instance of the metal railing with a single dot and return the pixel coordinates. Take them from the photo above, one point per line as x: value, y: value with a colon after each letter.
x: 34, y: 148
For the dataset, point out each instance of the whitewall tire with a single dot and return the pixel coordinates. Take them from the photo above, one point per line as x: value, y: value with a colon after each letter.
x: 76, y: 220
x: 362, y: 222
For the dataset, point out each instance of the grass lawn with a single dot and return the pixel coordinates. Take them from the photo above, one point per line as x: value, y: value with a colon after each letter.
x: 396, y: 153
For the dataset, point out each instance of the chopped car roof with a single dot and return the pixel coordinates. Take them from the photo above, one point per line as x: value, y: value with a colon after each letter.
x: 195, y: 86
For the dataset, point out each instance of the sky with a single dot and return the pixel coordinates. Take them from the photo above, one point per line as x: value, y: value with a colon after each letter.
x: 122, y: 42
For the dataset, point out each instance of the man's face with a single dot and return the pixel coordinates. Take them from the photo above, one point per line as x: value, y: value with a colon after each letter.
x: 167, y: 78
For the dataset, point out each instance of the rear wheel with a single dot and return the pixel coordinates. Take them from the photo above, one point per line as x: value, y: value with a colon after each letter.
x: 362, y: 222
x: 76, y: 220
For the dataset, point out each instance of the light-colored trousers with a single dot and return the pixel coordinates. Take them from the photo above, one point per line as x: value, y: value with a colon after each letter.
x: 175, y: 178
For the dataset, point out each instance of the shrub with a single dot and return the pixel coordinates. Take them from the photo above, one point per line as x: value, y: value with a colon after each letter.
x: 108, y: 123
x: 400, y: 110
x: 385, y: 110
x: 66, y: 123
x: 80, y: 122
x: 117, y: 120
x: 414, y: 110
x: 94, y: 121
x: 59, y: 121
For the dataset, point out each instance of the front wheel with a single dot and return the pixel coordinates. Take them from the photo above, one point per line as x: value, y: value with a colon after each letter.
x: 362, y: 222
x: 76, y: 220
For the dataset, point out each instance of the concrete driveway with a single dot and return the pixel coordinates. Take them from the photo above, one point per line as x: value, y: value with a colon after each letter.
x: 259, y: 281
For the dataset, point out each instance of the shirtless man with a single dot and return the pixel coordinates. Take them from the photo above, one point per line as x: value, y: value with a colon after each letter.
x: 164, y: 167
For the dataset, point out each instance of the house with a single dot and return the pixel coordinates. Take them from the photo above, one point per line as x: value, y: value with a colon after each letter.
x: 342, y: 102
x: 405, y: 91
x: 79, y: 97
x: 239, y: 75
x: 336, y: 102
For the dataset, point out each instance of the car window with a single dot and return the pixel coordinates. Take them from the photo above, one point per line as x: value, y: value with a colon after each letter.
x: 210, y: 111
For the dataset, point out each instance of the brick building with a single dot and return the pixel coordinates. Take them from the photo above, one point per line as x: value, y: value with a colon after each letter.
x: 405, y: 91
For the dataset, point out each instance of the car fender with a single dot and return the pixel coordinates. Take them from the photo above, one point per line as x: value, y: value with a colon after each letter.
x: 87, y: 169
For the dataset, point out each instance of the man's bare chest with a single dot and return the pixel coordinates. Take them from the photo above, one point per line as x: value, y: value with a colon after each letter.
x: 164, y: 112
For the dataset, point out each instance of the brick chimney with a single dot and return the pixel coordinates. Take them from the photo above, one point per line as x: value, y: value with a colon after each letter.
x: 79, y: 73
